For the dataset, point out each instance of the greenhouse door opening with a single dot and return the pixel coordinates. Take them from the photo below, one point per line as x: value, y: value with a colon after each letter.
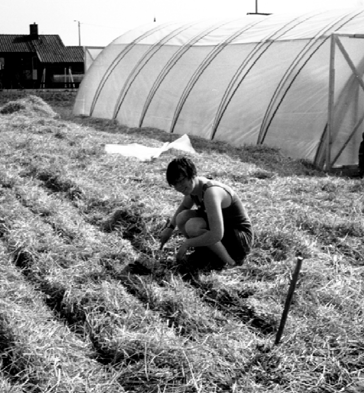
x: 346, y: 102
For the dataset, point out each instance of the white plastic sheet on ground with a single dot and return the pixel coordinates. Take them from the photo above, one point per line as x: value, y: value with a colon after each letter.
x: 145, y: 153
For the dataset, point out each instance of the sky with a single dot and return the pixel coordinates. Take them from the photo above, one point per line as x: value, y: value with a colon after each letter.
x: 99, y: 22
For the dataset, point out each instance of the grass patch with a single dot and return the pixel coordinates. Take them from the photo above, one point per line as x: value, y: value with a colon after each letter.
x: 91, y: 303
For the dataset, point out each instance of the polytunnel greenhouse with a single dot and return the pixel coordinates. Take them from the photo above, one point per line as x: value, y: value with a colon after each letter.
x: 287, y: 81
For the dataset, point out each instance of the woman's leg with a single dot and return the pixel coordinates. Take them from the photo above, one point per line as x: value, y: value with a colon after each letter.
x: 193, y: 226
x: 220, y: 250
x: 190, y: 223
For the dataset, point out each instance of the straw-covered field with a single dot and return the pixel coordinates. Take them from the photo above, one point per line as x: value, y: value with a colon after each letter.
x: 89, y: 303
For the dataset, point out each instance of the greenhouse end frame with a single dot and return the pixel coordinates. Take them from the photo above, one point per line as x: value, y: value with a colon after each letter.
x: 336, y: 42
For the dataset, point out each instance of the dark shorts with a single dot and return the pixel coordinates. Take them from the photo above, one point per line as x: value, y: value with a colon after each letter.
x: 238, y: 243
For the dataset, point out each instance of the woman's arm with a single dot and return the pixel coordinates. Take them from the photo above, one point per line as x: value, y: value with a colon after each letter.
x: 186, y: 204
x: 214, y: 199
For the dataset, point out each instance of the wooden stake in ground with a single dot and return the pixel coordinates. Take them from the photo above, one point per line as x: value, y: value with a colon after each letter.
x: 289, y: 299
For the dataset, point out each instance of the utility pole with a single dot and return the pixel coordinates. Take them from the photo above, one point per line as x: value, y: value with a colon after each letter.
x: 256, y: 10
x: 79, y: 32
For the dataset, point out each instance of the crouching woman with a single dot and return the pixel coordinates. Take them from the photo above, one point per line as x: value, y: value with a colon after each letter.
x: 210, y: 215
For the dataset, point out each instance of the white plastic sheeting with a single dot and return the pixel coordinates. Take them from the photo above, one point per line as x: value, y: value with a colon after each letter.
x: 147, y: 153
x: 254, y: 80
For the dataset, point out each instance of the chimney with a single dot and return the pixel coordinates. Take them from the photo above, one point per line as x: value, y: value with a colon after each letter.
x: 34, y: 30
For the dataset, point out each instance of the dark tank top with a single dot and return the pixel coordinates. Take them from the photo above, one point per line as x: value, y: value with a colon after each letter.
x: 235, y: 216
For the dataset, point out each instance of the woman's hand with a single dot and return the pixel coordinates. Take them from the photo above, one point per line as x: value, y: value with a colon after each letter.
x: 165, y: 236
x: 181, y: 254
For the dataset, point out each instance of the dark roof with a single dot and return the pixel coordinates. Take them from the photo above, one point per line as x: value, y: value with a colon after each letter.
x: 48, y: 48
x: 14, y: 43
x: 74, y: 54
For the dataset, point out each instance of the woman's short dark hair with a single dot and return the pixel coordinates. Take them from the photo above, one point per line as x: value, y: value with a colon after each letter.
x: 180, y: 167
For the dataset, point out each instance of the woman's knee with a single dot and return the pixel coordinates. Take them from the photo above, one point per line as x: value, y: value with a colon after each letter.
x: 183, y: 217
x: 195, y: 227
